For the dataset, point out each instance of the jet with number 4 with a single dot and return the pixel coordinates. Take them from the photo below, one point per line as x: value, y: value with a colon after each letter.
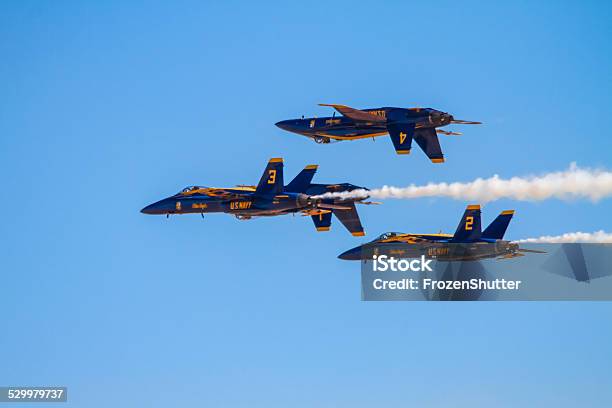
x: 401, y: 124
x: 468, y: 243
x: 269, y: 198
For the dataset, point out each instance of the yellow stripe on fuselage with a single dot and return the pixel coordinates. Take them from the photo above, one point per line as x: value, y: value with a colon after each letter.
x: 351, y: 137
x: 413, y: 236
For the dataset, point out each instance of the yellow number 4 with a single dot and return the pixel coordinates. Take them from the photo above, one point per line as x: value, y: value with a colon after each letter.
x: 272, y: 178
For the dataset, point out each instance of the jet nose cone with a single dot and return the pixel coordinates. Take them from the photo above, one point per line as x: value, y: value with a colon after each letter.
x: 283, y: 124
x: 160, y: 207
x: 353, y: 254
x: 291, y: 125
x: 149, y: 209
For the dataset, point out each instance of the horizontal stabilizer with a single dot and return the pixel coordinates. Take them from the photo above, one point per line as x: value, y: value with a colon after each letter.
x: 469, y: 229
x: 356, y: 114
x: 498, y: 227
x: 447, y: 133
x: 465, y: 122
x: 333, y: 206
x: 350, y: 219
x: 322, y: 221
x: 533, y: 251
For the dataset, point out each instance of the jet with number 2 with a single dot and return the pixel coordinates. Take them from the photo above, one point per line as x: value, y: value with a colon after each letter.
x: 468, y: 243
x: 401, y: 124
x: 270, y: 197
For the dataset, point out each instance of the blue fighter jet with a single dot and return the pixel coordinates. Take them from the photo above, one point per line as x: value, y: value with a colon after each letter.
x: 269, y: 198
x: 468, y: 243
x: 401, y: 124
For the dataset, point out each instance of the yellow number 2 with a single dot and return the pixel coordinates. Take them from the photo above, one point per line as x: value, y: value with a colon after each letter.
x: 469, y: 221
x: 272, y: 178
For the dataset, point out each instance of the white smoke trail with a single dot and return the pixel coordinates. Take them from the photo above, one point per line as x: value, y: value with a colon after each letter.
x: 597, y: 237
x: 575, y: 182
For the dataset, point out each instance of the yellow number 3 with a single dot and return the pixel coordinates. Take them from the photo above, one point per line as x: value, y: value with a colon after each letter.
x: 272, y: 178
x: 469, y: 221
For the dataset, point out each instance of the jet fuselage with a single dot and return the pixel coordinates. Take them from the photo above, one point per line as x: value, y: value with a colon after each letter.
x: 343, y: 128
x: 440, y: 251
x: 243, y: 204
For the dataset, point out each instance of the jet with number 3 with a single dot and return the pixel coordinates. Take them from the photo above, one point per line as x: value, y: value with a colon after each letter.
x: 401, y: 124
x: 269, y: 198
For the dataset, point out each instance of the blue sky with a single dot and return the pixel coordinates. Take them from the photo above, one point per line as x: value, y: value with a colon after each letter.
x: 108, y: 107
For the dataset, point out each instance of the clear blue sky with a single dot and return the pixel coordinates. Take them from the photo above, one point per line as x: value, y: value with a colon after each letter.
x: 107, y: 107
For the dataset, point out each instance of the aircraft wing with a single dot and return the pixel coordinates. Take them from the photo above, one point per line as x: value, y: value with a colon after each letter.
x: 219, y: 192
x: 356, y: 114
x: 350, y: 219
x: 418, y: 238
x: 409, y: 239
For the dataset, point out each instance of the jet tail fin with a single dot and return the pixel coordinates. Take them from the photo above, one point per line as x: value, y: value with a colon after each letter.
x: 401, y: 135
x: 427, y: 139
x: 301, y: 182
x: 350, y: 219
x: 469, y: 228
x: 271, y: 182
x: 498, y: 227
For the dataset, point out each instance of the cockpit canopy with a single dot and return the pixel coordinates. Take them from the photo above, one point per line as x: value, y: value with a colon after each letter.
x: 388, y: 235
x: 190, y: 189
